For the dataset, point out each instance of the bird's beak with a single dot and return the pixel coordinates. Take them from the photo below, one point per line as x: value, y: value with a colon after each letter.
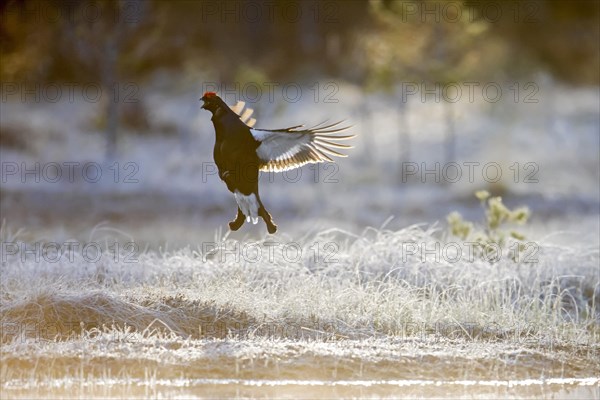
x: 203, y: 103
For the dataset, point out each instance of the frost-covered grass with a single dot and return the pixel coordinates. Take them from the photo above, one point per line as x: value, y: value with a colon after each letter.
x: 334, y: 284
x: 368, y: 309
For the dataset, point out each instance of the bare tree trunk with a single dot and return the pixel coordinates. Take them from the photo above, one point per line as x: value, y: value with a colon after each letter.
x: 450, y: 133
x: 99, y: 44
x: 366, y: 123
x: 404, y: 142
x: 112, y: 90
x: 112, y: 125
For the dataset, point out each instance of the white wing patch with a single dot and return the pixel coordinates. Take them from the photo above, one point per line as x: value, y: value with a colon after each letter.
x: 278, y: 147
x: 248, y: 205
x: 289, y: 148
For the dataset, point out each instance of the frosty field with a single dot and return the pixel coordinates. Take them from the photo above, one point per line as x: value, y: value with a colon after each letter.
x: 448, y: 249
x: 342, y: 302
x: 370, y: 321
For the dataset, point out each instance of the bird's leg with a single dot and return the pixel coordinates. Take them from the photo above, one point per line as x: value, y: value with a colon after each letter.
x: 264, y: 214
x: 238, y: 222
x: 262, y: 211
x: 271, y: 227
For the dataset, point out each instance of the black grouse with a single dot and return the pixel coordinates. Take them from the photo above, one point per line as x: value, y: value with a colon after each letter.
x: 241, y: 151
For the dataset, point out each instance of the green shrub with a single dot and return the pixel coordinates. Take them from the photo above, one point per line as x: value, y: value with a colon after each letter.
x: 496, y: 231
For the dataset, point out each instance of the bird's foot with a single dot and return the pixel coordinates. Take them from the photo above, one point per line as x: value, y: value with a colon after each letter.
x: 235, y: 225
x: 271, y: 227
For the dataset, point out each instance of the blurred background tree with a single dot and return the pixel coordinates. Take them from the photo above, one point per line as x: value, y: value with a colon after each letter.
x: 374, y: 44
x: 317, y: 38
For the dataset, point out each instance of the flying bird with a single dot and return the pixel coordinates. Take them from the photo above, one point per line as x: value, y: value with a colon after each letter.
x: 241, y: 151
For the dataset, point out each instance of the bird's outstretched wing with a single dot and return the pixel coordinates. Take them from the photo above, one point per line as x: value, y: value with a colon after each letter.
x: 289, y: 148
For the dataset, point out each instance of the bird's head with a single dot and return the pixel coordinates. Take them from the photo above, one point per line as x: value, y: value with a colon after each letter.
x: 212, y: 102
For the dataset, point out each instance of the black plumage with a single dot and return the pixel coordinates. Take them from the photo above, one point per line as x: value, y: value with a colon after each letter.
x: 242, y: 151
